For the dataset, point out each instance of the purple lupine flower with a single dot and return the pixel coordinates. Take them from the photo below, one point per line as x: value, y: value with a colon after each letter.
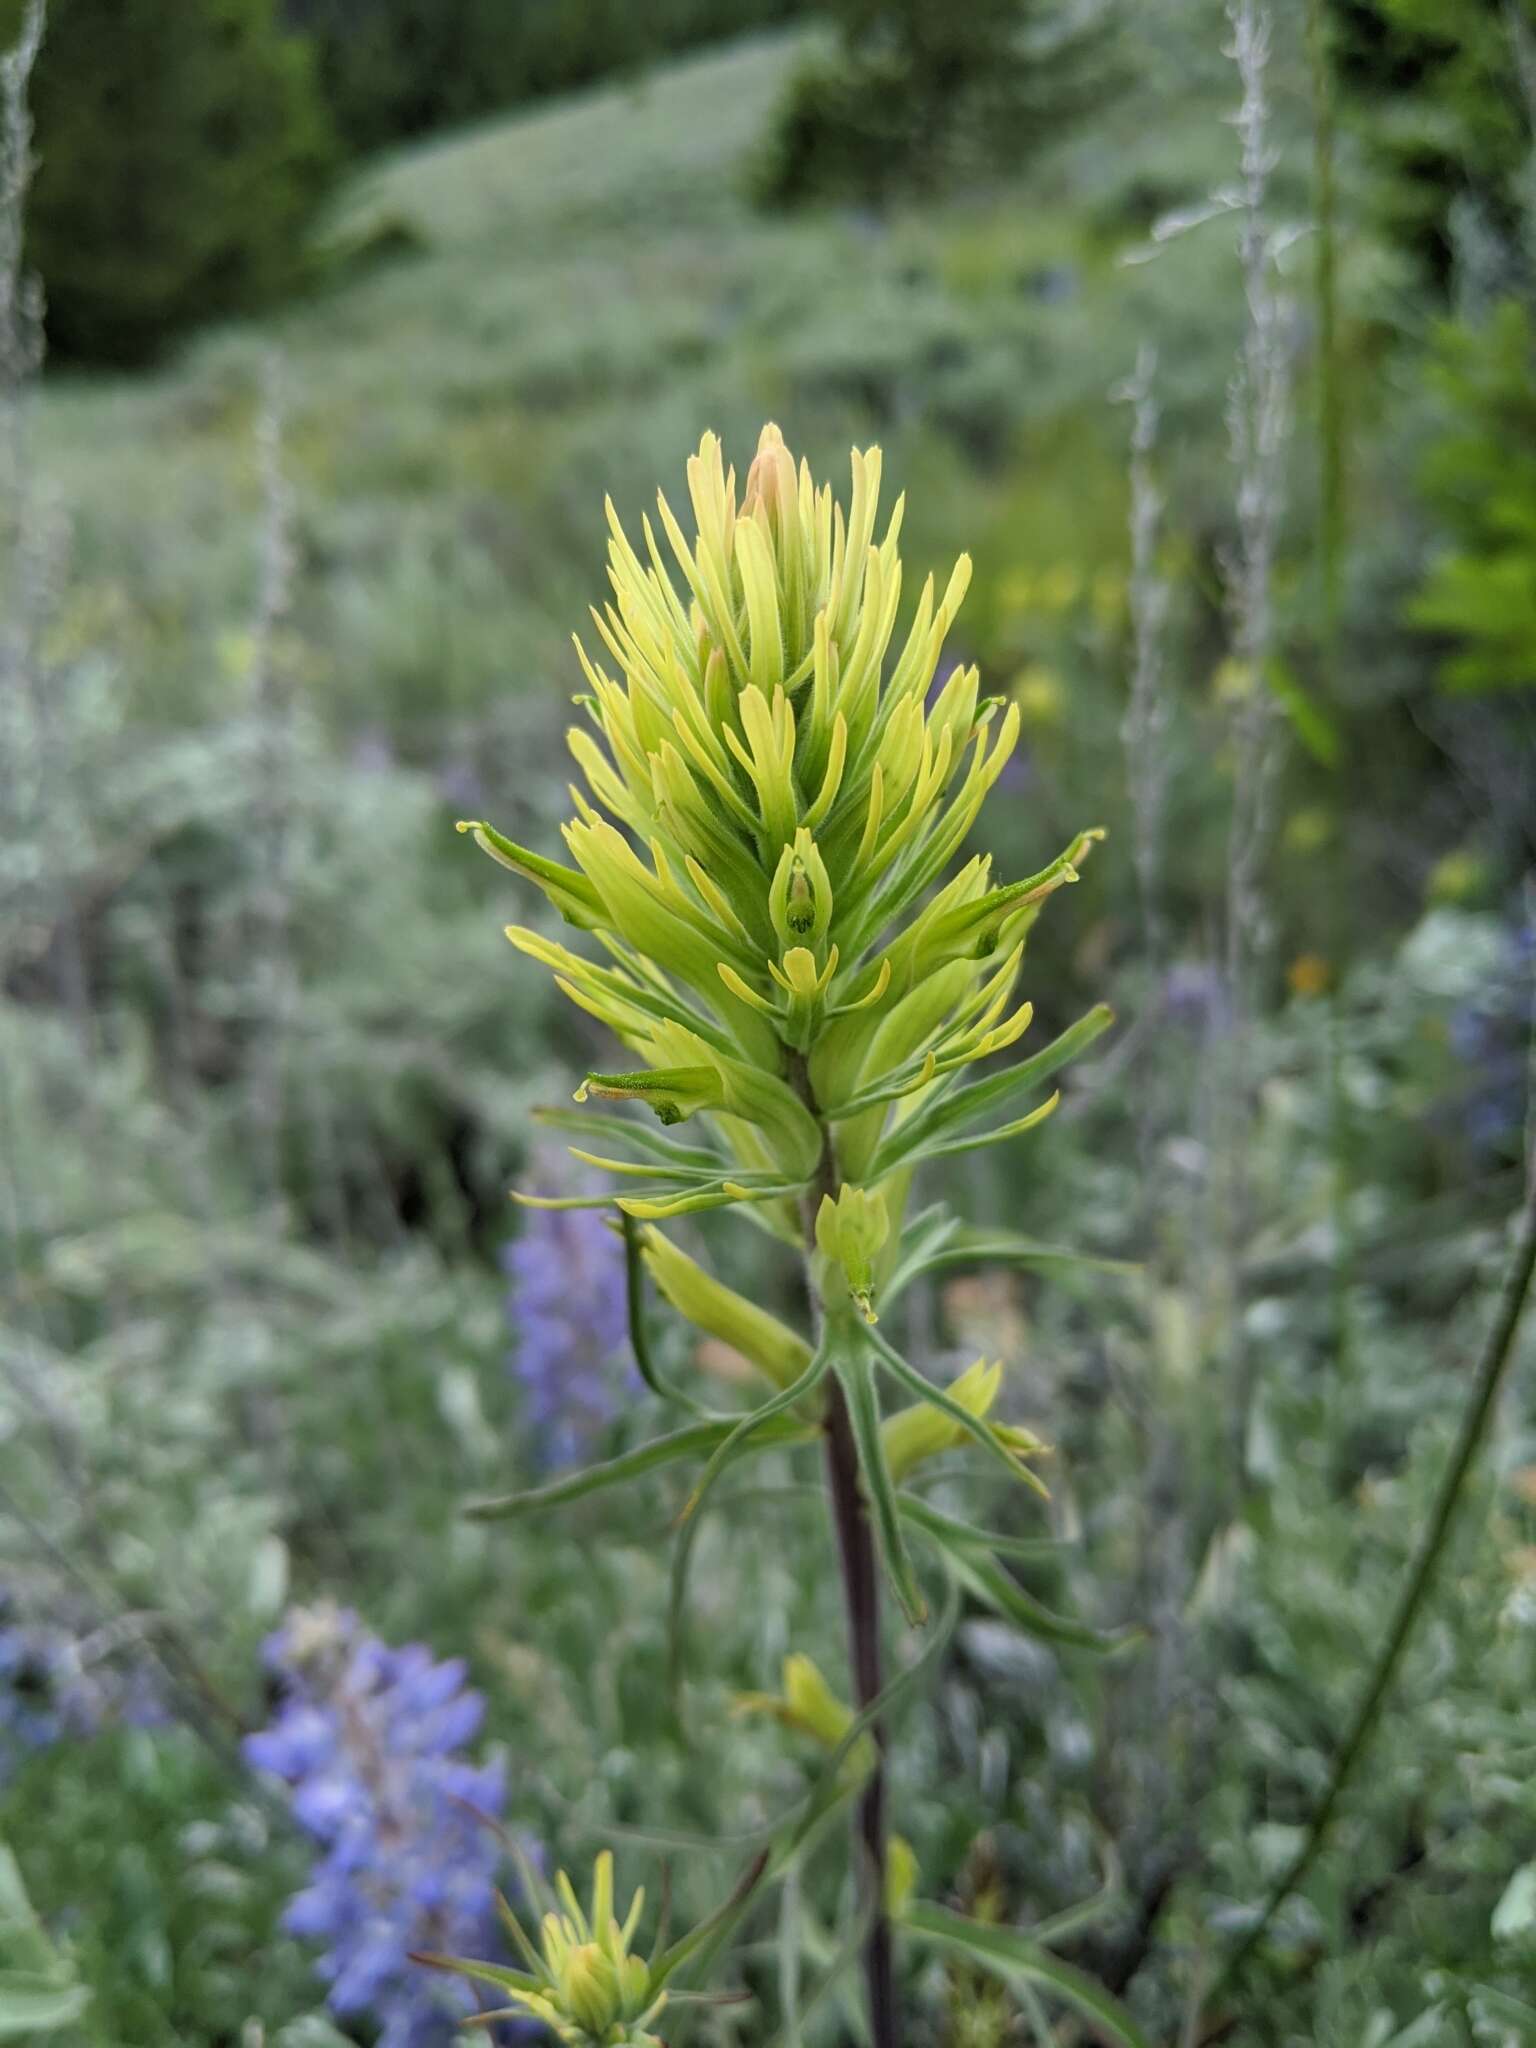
x: 370, y: 1742
x: 1194, y: 997
x: 570, y: 1324
x: 46, y: 1695
x: 62, y: 1681
x: 1490, y: 1036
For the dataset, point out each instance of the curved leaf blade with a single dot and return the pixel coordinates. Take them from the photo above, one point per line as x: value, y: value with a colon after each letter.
x: 1015, y: 1958
x: 749, y: 1425
x: 639, y: 1343
x: 699, y: 1439
x: 922, y: 1389
x: 855, y: 1372
x: 946, y: 1118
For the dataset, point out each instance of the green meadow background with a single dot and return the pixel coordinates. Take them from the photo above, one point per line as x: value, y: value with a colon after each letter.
x: 352, y: 338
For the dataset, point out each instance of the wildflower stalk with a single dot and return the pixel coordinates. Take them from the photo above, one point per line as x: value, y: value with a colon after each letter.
x: 1258, y: 421
x: 1144, y: 729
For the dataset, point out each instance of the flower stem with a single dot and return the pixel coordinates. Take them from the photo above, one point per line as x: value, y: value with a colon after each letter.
x: 861, y: 1601
x: 861, y: 1595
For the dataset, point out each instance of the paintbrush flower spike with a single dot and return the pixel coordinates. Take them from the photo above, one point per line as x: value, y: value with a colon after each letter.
x: 776, y: 917
x: 773, y: 791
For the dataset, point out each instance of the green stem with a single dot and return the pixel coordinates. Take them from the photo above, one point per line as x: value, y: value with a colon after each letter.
x: 1489, y: 1378
x: 861, y: 1596
x: 861, y: 1602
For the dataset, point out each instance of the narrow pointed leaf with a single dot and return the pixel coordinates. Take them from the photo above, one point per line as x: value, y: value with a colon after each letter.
x: 634, y: 1302
x: 966, y: 1536
x: 1014, y: 1957
x: 647, y: 1139
x: 950, y: 1147
x: 721, y: 1921
x: 913, y: 1381
x: 699, y: 1439
x: 952, y: 1114
x: 486, y: 1973
x: 921, y: 1242
x: 998, y: 1589
x: 576, y: 898
x: 962, y: 1247
x: 748, y: 1427
x: 855, y: 1372
x: 659, y: 1204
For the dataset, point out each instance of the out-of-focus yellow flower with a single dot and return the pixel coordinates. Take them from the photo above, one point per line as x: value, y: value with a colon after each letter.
x: 1039, y: 695
x: 1308, y: 831
x: 1058, y: 588
x: 1015, y: 591
x: 809, y: 1706
x: 1459, y: 877
x: 1108, y: 597
x: 1309, y: 975
x: 1233, y: 681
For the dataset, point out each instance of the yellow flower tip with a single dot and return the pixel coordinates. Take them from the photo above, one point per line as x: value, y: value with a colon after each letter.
x: 1309, y: 975
x: 901, y: 1874
x: 584, y: 1091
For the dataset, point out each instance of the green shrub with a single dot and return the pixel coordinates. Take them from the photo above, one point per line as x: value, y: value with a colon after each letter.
x: 182, y: 146
x: 1437, y: 87
x: 1480, y: 476
x: 393, y: 68
x: 919, y: 96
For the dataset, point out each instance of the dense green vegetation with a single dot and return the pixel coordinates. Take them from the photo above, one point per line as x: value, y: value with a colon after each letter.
x: 912, y: 98
x: 394, y: 68
x: 183, y: 146
x: 282, y: 608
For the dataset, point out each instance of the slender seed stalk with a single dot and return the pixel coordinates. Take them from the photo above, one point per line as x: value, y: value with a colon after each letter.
x: 1492, y: 1368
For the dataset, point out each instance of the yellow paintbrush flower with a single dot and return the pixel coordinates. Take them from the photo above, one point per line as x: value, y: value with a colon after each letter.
x: 774, y: 787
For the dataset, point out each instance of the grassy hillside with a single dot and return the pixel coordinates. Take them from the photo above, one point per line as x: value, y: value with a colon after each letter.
x: 558, y: 303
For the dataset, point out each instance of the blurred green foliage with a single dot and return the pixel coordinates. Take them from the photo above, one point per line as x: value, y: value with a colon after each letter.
x: 182, y: 149
x: 1480, y: 475
x: 914, y: 97
x: 1445, y: 99
x: 394, y: 68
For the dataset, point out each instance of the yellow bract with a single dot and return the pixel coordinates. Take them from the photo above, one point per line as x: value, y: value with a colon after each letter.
x: 922, y: 1431
x: 585, y: 1984
x: 773, y: 785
